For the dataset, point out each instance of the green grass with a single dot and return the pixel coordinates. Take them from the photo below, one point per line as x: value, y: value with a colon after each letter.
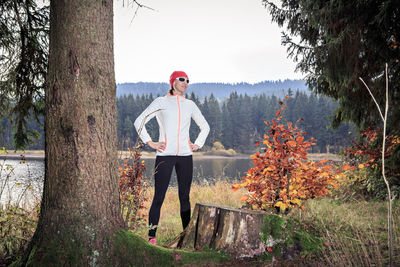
x: 133, y: 250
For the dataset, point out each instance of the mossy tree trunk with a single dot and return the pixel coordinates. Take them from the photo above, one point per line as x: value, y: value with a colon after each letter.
x: 80, y: 208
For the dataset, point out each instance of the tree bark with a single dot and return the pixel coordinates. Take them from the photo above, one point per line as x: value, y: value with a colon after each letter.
x: 233, y: 230
x: 80, y: 208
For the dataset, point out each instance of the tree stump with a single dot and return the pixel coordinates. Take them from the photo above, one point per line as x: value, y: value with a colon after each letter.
x: 238, y: 232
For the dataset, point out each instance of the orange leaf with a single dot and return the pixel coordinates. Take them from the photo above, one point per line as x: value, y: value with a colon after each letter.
x: 346, y: 167
x: 278, y: 113
x: 244, y: 198
x: 291, y: 143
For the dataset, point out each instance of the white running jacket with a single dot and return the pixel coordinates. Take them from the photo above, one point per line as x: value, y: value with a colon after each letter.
x: 173, y: 114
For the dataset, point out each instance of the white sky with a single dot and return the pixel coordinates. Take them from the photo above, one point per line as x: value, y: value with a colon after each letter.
x: 211, y: 40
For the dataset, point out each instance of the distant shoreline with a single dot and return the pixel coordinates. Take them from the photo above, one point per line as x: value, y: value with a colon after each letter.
x: 39, y: 154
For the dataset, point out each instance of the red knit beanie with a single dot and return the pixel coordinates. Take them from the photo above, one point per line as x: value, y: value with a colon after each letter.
x: 176, y: 74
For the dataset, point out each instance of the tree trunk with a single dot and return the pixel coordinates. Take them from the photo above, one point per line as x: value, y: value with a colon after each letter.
x: 80, y: 208
x: 235, y: 231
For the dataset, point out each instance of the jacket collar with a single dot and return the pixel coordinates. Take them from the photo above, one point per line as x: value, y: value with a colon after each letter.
x: 176, y: 96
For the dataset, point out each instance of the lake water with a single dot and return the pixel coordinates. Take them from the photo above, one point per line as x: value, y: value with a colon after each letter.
x: 27, y: 178
x: 21, y: 183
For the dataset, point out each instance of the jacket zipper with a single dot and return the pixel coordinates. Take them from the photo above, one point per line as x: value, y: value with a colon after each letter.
x: 179, y: 121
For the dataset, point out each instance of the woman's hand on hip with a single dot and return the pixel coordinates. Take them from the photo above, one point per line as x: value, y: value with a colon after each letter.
x: 159, y: 146
x: 194, y: 147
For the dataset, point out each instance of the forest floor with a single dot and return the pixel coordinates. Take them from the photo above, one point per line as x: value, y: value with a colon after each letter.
x: 352, y: 229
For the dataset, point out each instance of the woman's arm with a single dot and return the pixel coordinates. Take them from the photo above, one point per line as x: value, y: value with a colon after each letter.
x: 203, y: 125
x: 140, y: 122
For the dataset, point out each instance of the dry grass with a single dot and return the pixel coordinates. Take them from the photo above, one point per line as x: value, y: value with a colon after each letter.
x: 170, y: 222
x: 355, y: 233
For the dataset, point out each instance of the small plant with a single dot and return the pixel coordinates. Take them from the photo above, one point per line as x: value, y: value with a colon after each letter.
x: 286, y: 238
x: 390, y: 195
x: 132, y: 186
x: 282, y: 176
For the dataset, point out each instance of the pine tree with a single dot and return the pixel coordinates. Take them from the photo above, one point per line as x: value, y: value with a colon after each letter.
x: 80, y: 208
x: 341, y: 41
x: 214, y: 118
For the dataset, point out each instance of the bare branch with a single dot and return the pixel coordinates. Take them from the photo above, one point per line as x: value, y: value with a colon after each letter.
x: 142, y: 6
x: 389, y: 193
x: 138, y: 5
x: 134, y: 15
x: 379, y: 109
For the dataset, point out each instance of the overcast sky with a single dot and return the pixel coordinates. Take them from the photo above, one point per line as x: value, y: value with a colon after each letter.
x: 211, y: 40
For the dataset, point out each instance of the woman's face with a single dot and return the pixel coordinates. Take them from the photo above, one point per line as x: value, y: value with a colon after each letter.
x: 180, y: 87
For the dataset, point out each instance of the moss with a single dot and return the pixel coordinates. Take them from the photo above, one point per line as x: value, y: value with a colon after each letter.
x: 129, y: 250
x: 286, y: 238
x: 132, y: 250
x: 57, y: 254
x: 272, y: 227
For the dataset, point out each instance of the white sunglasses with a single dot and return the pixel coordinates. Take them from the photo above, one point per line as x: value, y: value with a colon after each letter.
x: 182, y: 79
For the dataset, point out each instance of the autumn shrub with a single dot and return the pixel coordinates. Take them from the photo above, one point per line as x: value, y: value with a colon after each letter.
x: 282, y: 177
x: 364, y: 164
x: 132, y: 187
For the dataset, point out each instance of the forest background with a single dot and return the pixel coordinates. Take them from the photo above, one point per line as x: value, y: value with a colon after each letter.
x: 235, y: 112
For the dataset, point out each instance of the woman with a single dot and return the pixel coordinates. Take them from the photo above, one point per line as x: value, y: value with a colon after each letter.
x: 174, y: 148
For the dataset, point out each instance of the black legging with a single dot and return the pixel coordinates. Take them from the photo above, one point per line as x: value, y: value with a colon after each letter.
x: 163, y: 170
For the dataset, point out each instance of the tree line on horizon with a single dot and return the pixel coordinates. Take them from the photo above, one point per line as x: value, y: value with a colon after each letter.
x: 237, y: 122
x: 220, y: 90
